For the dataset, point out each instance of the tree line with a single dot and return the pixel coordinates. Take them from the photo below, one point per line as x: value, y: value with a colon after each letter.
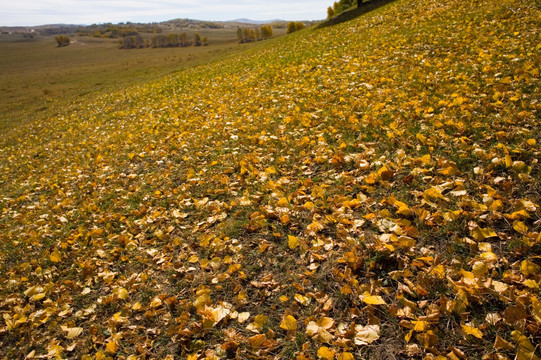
x: 254, y: 34
x: 136, y: 41
x: 116, y: 31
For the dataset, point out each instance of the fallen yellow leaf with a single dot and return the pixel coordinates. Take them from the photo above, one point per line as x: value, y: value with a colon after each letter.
x: 470, y: 330
x: 55, y: 256
x: 365, y: 335
x: 345, y: 356
x: 520, y: 227
x: 501, y: 344
x: 292, y: 241
x: 72, y: 332
x: 325, y: 353
x: 289, y: 323
x: 372, y: 299
x: 529, y: 268
x: 301, y: 299
x: 111, y: 347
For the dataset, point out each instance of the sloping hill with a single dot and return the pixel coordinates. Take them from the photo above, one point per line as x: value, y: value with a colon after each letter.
x: 369, y: 190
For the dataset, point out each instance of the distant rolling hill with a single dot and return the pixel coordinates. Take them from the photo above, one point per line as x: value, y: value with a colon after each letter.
x: 254, y: 22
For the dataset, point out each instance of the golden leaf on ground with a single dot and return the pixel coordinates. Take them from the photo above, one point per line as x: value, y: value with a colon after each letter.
x: 520, y: 227
x: 529, y: 268
x: 470, y: 330
x: 259, y: 342
x: 159, y: 234
x: 420, y: 325
x: 259, y: 322
x: 156, y: 302
x: 481, y: 234
x: 119, y: 318
x: 292, y: 242
x: 301, y: 299
x: 479, y: 268
x: 318, y: 330
x: 531, y: 284
x: 309, y: 205
x: 72, y: 332
x: 121, y: 293
x: 526, y: 351
x: 501, y: 344
x: 282, y: 202
x: 365, y: 335
x: 493, y: 318
x: 372, y: 299
x: 111, y: 347
x: 324, y: 336
x: 326, y: 322
x: 55, y: 256
x: 289, y: 323
x: 325, y: 353
x: 312, y: 328
x: 536, y: 308
x: 242, y: 317
x: 55, y: 350
x: 425, y: 159
x: 438, y: 271
x: 219, y: 313
x: 345, y: 356
x: 433, y: 193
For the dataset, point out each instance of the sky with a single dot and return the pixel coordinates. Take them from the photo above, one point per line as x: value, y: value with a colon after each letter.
x: 41, y: 12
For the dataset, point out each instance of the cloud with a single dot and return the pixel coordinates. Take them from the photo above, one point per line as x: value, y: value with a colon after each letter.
x: 33, y: 12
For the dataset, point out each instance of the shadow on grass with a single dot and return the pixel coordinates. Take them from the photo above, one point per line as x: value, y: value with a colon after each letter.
x: 361, y: 9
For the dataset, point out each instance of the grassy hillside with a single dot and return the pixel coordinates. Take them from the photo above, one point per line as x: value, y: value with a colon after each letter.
x: 40, y: 80
x: 365, y: 191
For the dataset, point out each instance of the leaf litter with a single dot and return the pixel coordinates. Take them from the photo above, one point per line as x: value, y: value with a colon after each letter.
x: 368, y: 190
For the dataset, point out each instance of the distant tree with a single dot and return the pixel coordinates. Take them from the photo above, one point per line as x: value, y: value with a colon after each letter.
x: 293, y: 26
x: 159, y: 41
x: 330, y: 12
x: 139, y: 41
x: 290, y: 27
x: 172, y: 40
x: 249, y: 34
x: 240, y: 35
x: 197, y: 39
x: 127, y: 43
x: 62, y: 40
x: 183, y: 40
x: 266, y: 31
x: 341, y: 6
x: 205, y: 41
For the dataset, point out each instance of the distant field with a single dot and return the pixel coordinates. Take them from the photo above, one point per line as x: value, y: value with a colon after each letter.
x: 37, y: 78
